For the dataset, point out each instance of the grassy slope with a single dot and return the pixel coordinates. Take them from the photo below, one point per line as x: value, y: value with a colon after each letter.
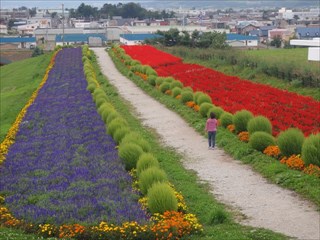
x: 17, y: 82
x: 275, y: 56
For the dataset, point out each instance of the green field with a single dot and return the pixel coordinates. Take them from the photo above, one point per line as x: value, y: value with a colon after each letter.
x: 18, y: 80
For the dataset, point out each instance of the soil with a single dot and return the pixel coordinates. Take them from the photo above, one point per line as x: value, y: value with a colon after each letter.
x: 261, y: 204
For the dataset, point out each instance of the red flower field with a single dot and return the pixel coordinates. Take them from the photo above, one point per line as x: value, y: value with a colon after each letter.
x: 283, y: 108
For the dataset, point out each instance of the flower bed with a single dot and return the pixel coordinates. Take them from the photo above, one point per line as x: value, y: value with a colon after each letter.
x: 63, y: 177
x: 284, y: 109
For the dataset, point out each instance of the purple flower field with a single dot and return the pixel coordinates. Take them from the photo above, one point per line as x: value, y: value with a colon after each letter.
x: 63, y: 167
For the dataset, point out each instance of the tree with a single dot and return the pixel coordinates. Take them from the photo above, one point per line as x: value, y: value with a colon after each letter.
x: 276, y: 42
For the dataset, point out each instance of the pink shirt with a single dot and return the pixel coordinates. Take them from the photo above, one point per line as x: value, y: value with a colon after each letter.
x: 211, y: 125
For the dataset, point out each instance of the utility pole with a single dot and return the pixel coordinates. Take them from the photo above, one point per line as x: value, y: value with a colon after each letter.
x: 62, y: 24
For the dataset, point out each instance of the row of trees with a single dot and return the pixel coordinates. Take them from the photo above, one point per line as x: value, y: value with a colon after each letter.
x: 128, y: 10
x: 195, y: 39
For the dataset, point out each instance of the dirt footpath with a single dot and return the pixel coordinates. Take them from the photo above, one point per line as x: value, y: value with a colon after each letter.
x: 264, y: 205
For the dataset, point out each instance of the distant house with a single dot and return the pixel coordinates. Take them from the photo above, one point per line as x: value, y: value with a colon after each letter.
x: 238, y: 40
x: 245, y: 29
x: 19, y: 42
x: 79, y: 39
x: 136, y: 38
x: 3, y: 29
x: 307, y: 32
x: 284, y: 34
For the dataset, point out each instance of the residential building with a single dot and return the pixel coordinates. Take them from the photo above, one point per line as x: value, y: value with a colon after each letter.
x: 238, y: 40
x: 136, y: 39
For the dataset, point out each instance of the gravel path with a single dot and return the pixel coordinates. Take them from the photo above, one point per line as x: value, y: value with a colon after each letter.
x: 264, y: 205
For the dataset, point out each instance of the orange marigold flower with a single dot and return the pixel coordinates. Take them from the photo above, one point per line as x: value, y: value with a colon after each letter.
x: 293, y: 162
x: 196, y: 107
x: 168, y: 92
x: 178, y: 96
x: 312, y: 170
x: 190, y: 104
x: 272, y: 151
x: 231, y: 127
x: 244, y: 136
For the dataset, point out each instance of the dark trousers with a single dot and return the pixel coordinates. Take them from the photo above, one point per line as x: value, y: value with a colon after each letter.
x: 212, y: 138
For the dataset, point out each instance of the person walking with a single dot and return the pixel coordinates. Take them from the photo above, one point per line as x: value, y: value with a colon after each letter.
x: 211, y: 129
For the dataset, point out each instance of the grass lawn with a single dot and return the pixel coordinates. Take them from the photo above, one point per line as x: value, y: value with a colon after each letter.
x: 18, y: 80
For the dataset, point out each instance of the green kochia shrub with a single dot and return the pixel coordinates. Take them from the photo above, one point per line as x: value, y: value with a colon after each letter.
x: 176, y: 83
x: 203, y: 98
x: 204, y: 108
x: 188, y: 89
x: 261, y: 140
x: 290, y: 141
x: 112, y: 115
x: 164, y: 87
x: 259, y: 123
x: 130, y: 153
x: 241, y: 119
x: 176, y: 91
x: 115, y: 124
x: 196, y: 95
x: 152, y: 80
x: 159, y: 80
x: 311, y: 150
x: 150, y: 176
x: 226, y: 119
x: 186, y: 96
x: 105, y: 107
x: 161, y: 198
x: 218, y: 111
x: 120, y: 133
x: 146, y: 160
x: 91, y: 87
x: 136, y: 138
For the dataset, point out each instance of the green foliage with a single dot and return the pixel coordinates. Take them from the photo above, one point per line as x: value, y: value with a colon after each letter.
x: 261, y: 140
x: 197, y: 94
x: 112, y: 115
x: 218, y: 111
x: 164, y: 87
x: 136, y: 138
x: 203, y: 98
x: 115, y: 124
x: 186, y: 96
x: 120, y: 133
x: 37, y: 52
x: 91, y: 87
x: 259, y: 123
x: 161, y: 198
x: 290, y: 141
x: 159, y: 80
x: 146, y: 160
x: 176, y: 91
x: 311, y: 150
x: 226, y: 119
x: 150, y: 176
x: 187, y: 89
x: 241, y: 119
x: 105, y: 107
x: 217, y: 216
x: 176, y: 83
x: 130, y: 153
x: 204, y: 108
x: 100, y: 100
x: 152, y: 80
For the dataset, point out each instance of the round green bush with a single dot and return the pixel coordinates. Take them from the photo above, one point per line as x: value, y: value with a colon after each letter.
x: 169, y: 79
x: 176, y: 91
x: 290, y: 141
x: 259, y: 123
x: 218, y: 111
x: 105, y: 106
x: 146, y: 160
x: 136, y: 138
x: 186, y: 96
x: 112, y: 115
x: 203, y: 98
x: 115, y: 124
x: 161, y: 198
x: 120, y: 133
x: 164, y: 87
x: 310, y: 152
x: 106, y: 112
x: 100, y: 100
x: 187, y: 89
x: 204, y: 108
x: 150, y: 176
x: 97, y: 92
x: 129, y: 153
x: 196, y: 95
x: 261, y: 140
x: 241, y: 119
x: 152, y: 80
x: 226, y: 119
x: 91, y: 87
x: 176, y: 83
x: 159, y: 80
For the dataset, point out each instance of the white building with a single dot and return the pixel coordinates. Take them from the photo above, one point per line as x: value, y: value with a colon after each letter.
x: 3, y: 29
x: 313, y: 50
